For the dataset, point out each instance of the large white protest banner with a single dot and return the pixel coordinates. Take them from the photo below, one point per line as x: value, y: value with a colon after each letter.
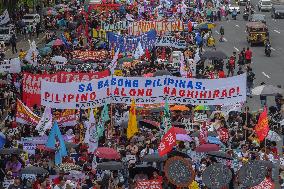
x: 151, y: 90
x: 10, y: 66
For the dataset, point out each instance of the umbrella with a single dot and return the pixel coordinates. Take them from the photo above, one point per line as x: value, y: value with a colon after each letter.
x: 154, y: 158
x: 177, y: 153
x: 179, y: 108
x: 206, y: 26
x: 252, y: 173
x: 45, y: 50
x: 219, y: 154
x: 183, y: 137
x: 210, y: 133
x: 178, y: 124
x: 273, y: 136
x: 145, y: 169
x: 59, y: 59
x: 207, y: 148
x: 161, y: 73
x: 267, y: 90
x: 202, y: 107
x: 107, y: 153
x: 11, y: 151
x: 50, y: 44
x: 34, y: 170
x: 57, y: 42
x: 179, y: 130
x: 214, y: 140
x: 110, y: 165
x: 149, y: 124
x: 212, y: 55
x: 216, y: 176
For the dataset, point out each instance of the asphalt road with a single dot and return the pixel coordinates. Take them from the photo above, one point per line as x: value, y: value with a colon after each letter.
x: 267, y: 69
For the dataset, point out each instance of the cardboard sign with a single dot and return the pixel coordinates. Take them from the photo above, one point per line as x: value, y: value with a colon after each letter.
x: 149, y: 184
x: 90, y: 55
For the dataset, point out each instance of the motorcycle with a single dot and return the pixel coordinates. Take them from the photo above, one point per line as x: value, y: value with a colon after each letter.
x: 246, y: 16
x: 268, y: 51
x: 234, y: 15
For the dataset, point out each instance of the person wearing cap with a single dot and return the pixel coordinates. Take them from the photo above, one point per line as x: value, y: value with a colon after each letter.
x: 16, y: 185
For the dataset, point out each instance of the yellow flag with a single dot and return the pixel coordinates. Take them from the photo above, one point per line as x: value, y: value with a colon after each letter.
x: 132, y: 122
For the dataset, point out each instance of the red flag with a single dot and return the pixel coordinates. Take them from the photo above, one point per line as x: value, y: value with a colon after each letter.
x: 265, y: 184
x: 203, y: 134
x: 189, y: 25
x: 262, y: 126
x: 147, y: 54
x: 223, y: 134
x: 168, y: 142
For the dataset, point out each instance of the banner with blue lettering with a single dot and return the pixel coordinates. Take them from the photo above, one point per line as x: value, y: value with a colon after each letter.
x: 150, y: 90
x: 130, y: 43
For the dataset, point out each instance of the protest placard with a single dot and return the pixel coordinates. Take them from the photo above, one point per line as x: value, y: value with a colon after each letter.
x: 151, y: 90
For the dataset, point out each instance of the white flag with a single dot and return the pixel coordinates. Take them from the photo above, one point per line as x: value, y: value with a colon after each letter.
x: 139, y: 51
x: 182, y: 67
x: 45, y: 122
x: 4, y: 18
x: 113, y: 63
x: 91, y: 136
x: 32, y: 54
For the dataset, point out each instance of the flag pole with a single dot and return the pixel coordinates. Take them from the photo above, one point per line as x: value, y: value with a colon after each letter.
x: 111, y: 120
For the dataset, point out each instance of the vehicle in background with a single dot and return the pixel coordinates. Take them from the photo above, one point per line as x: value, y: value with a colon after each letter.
x: 234, y: 7
x: 243, y: 2
x: 30, y: 19
x: 264, y: 5
x: 277, y: 11
x: 257, y: 33
x: 258, y: 18
x: 6, y: 33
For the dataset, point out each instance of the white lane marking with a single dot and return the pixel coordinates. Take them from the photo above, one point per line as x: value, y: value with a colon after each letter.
x: 225, y: 39
x: 273, y: 49
x: 236, y: 49
x: 217, y: 32
x: 276, y: 31
x: 237, y: 25
x: 266, y: 75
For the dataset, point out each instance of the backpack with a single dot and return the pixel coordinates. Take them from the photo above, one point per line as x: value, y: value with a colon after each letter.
x: 250, y: 77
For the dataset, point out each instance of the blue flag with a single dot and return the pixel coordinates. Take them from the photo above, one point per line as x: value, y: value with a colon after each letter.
x: 214, y: 140
x: 104, y: 116
x: 55, y: 141
x: 64, y: 40
x: 2, y: 140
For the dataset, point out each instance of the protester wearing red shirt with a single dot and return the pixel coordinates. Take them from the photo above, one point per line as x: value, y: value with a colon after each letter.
x: 248, y: 56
